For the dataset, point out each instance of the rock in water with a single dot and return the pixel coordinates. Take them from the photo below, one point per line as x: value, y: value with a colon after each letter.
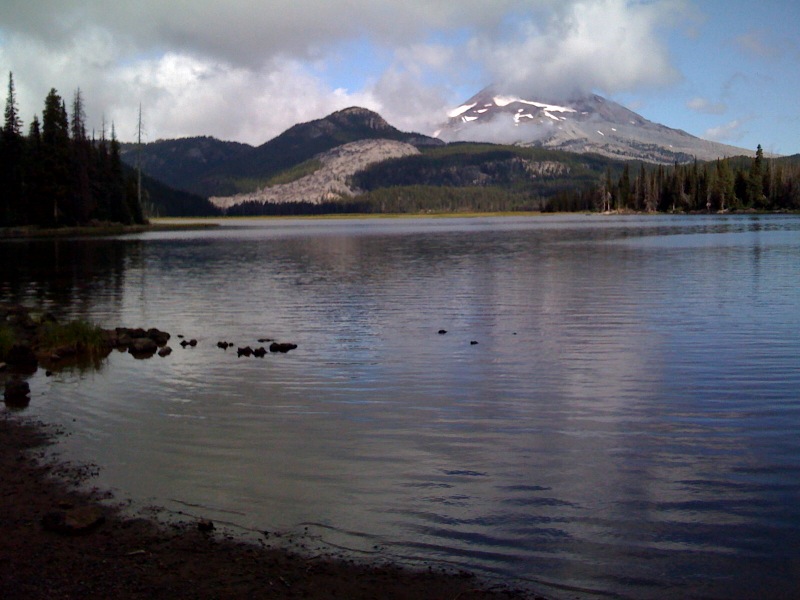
x: 17, y: 393
x: 284, y: 347
x: 22, y: 356
x: 142, y: 347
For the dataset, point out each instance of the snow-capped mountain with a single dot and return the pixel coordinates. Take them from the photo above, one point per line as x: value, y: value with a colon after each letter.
x: 587, y: 124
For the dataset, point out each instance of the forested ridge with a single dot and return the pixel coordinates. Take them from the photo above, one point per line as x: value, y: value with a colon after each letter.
x: 731, y: 184
x: 483, y: 177
x: 57, y: 175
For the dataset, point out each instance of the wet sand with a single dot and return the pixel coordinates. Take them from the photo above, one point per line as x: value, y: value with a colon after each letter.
x: 133, y: 557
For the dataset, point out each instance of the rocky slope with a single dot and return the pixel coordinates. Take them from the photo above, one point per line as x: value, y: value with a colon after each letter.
x: 331, y: 180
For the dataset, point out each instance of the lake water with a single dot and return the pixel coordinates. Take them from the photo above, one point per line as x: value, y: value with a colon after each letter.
x: 627, y: 424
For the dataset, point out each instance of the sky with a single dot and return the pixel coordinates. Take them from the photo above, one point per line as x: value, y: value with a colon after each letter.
x: 246, y: 70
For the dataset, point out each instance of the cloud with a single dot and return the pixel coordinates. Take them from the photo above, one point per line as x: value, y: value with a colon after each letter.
x: 611, y: 45
x: 753, y: 43
x: 730, y: 132
x: 706, y: 106
x: 248, y: 69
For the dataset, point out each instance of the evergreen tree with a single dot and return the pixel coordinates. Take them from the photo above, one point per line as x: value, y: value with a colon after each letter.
x: 82, y: 204
x: 56, y: 161
x: 13, y: 123
x: 755, y: 181
x: 12, y: 145
x: 623, y: 202
x: 119, y: 208
x: 35, y: 175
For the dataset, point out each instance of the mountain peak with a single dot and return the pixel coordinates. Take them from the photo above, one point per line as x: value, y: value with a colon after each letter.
x: 587, y: 123
x: 359, y: 118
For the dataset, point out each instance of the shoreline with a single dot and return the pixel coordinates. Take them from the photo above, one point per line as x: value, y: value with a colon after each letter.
x: 119, y: 556
x: 101, y: 229
x: 201, y: 223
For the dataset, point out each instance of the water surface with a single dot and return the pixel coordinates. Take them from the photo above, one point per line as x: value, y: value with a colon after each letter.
x: 627, y: 424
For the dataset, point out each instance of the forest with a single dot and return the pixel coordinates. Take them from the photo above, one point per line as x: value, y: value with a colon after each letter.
x: 57, y: 175
x: 725, y: 185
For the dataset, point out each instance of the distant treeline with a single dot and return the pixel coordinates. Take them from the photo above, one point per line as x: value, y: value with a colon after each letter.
x: 57, y: 175
x: 472, y: 178
x: 731, y: 184
x: 401, y: 200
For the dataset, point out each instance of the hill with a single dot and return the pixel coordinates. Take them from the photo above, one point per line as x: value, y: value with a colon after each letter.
x: 210, y: 167
x: 183, y: 163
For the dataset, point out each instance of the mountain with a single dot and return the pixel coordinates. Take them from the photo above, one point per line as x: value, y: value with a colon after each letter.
x: 161, y: 200
x: 183, y: 163
x: 304, y: 141
x: 210, y: 167
x: 328, y: 174
x: 589, y: 124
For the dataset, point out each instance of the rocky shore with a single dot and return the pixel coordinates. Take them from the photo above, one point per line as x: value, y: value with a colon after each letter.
x: 109, y: 555
x: 61, y: 539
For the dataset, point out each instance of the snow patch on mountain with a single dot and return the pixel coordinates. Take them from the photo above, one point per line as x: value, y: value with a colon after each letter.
x: 587, y: 124
x: 460, y: 110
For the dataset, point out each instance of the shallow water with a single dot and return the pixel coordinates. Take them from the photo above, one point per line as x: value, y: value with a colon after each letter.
x: 627, y: 425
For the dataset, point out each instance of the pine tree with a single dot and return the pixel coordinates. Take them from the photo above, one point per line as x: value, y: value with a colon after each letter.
x: 12, y: 146
x: 13, y: 123
x: 623, y: 202
x: 56, y: 160
x: 35, y: 176
x: 117, y: 199
x: 755, y: 181
x: 81, y: 201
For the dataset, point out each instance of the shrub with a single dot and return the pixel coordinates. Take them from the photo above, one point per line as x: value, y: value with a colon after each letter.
x: 85, y: 336
x: 6, y: 340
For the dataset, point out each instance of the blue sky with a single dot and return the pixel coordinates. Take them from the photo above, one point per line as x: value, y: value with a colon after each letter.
x: 247, y: 70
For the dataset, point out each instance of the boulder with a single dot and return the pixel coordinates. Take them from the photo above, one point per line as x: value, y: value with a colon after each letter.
x: 142, y: 347
x: 17, y: 393
x: 22, y: 356
x: 205, y: 526
x: 74, y: 521
x: 281, y: 347
x: 260, y: 352
x: 165, y: 351
x: 246, y: 351
x: 159, y: 337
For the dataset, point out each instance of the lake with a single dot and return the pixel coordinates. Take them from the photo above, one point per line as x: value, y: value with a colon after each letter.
x: 613, y: 411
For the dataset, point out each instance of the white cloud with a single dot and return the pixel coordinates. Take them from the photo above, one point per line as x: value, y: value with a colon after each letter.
x: 753, y: 43
x: 248, y: 69
x: 611, y: 45
x: 730, y: 132
x: 706, y: 106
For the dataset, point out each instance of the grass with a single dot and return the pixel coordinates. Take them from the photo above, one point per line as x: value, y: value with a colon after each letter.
x: 7, y: 340
x: 84, y: 336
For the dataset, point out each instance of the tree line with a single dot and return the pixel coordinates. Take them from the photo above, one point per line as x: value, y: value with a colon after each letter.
x: 57, y: 175
x: 730, y: 184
